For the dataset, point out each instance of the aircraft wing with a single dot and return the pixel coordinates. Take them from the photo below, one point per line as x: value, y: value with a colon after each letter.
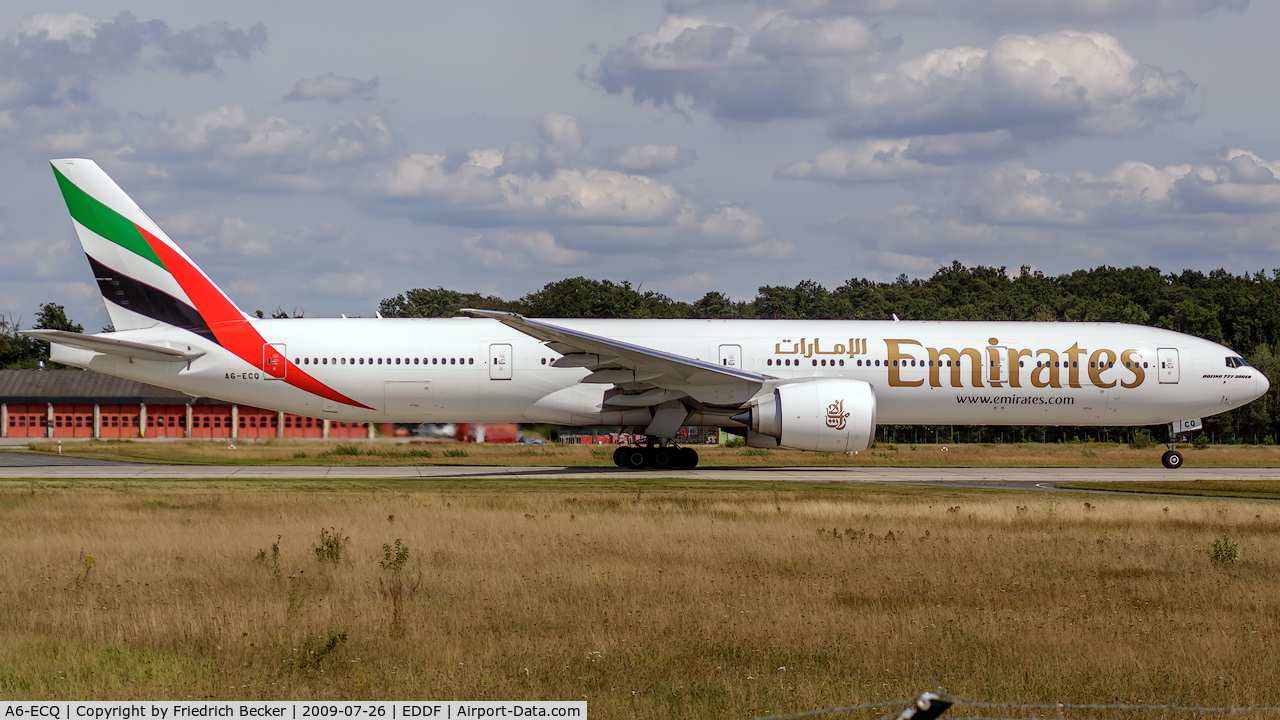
x: 635, y: 367
x: 112, y: 346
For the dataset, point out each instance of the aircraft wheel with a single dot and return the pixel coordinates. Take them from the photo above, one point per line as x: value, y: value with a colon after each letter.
x: 664, y: 457
x: 620, y: 456
x: 1172, y: 459
x: 688, y: 459
x: 636, y: 458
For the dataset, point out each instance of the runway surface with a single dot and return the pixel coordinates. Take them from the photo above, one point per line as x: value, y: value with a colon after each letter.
x: 21, y: 466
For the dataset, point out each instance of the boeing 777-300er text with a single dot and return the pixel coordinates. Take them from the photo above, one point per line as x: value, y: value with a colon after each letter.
x: 818, y: 385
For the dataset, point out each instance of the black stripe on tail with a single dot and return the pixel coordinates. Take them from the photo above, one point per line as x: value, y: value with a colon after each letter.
x: 144, y: 299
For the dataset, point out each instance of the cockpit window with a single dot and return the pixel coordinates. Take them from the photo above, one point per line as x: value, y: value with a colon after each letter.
x: 1237, y: 362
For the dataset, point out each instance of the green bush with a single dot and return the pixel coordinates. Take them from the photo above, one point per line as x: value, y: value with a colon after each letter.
x: 1225, y: 552
x: 1201, y: 441
x: 737, y: 442
x: 331, y: 545
x: 346, y: 450
x: 1142, y: 440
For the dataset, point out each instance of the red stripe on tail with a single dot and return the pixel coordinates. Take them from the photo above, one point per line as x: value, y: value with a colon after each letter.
x: 229, y: 326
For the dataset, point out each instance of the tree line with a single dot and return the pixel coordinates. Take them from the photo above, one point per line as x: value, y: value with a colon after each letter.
x: 18, y: 352
x: 1239, y: 311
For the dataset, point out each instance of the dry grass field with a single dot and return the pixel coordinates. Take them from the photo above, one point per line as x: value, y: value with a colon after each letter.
x: 651, y: 599
x: 387, y: 452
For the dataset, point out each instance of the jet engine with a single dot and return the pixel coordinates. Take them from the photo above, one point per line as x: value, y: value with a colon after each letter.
x: 819, y: 415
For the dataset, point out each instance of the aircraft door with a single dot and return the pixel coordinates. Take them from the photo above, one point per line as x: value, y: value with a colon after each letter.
x: 500, y: 361
x: 731, y: 356
x: 274, y: 364
x: 1168, y: 358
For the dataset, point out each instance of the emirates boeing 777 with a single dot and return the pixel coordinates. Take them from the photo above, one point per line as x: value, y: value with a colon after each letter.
x: 819, y: 385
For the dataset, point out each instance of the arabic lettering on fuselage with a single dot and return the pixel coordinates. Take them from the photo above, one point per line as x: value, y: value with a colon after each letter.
x: 1105, y: 368
x: 856, y: 346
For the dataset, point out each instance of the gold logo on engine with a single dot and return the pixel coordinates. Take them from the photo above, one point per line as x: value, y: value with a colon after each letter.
x: 836, y: 416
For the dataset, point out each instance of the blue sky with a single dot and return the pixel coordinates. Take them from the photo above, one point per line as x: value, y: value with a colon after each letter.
x: 326, y: 155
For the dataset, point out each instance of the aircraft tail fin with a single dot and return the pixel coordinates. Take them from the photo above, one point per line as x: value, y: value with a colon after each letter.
x: 144, y: 277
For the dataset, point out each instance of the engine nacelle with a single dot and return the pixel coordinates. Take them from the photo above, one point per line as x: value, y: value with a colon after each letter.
x: 820, y: 415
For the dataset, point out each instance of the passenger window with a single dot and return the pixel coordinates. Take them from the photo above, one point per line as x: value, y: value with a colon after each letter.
x: 379, y: 361
x: 842, y: 363
x: 452, y: 361
x: 471, y: 361
x: 544, y: 361
x: 433, y: 361
x: 297, y: 361
x: 324, y: 361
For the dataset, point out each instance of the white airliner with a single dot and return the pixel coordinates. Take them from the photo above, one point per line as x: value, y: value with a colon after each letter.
x: 819, y: 385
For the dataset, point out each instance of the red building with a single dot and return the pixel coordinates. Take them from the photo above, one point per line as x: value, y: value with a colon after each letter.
x: 83, y: 403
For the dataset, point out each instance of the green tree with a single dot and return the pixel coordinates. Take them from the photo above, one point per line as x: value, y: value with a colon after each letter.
x: 51, y: 316
x: 54, y: 317
x: 437, y: 302
x: 16, y: 351
x: 581, y: 297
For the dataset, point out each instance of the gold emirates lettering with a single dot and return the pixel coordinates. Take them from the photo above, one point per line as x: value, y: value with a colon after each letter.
x: 1103, y: 370
x: 1050, y: 364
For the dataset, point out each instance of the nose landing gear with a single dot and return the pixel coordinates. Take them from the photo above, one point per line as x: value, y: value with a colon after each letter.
x: 1172, y: 459
x: 658, y: 453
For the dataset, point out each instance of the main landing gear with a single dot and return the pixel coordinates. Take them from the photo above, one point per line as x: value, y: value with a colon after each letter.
x: 658, y: 453
x: 1172, y: 459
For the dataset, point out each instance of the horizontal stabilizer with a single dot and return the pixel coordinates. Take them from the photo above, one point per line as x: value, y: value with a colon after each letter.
x: 111, y: 346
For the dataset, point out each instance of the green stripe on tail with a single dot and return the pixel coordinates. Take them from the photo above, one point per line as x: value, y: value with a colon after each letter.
x: 108, y: 223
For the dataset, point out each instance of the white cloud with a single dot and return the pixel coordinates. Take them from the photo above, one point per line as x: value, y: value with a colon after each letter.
x: 566, y: 213
x: 50, y: 67
x: 334, y: 88
x: 205, y: 233
x: 227, y: 147
x: 348, y: 284
x: 520, y: 249
x: 869, y: 161
x: 1031, y: 87
x: 1236, y: 184
x: 778, y: 66
x: 735, y: 224
x: 564, y: 138
x: 895, y: 159
x: 934, y: 232
x: 52, y: 59
x: 782, y: 35
x: 478, y: 186
x: 997, y: 11
x: 693, y: 284
x: 1035, y: 86
x: 648, y: 159
x: 73, y: 28
x: 38, y: 258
